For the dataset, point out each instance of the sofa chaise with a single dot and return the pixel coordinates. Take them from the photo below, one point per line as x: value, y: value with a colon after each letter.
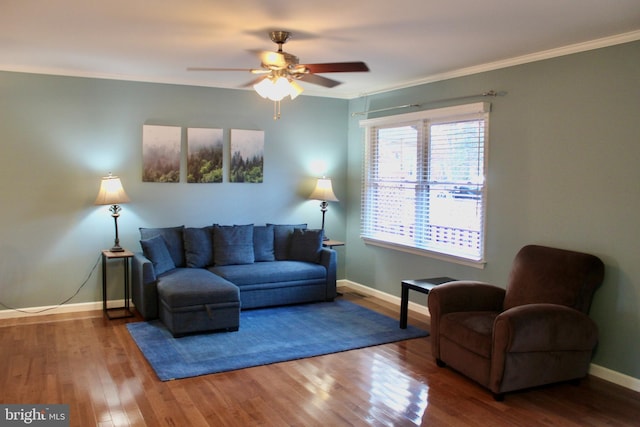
x: 198, y: 279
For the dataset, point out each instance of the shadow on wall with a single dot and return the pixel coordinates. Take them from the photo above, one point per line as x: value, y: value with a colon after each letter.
x: 13, y: 273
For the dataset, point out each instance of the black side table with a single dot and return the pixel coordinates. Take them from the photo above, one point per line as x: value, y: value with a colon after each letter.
x: 423, y: 286
x: 125, y: 256
x: 330, y: 243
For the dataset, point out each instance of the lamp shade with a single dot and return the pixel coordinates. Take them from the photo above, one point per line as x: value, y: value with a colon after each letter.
x: 111, y: 192
x: 323, y: 191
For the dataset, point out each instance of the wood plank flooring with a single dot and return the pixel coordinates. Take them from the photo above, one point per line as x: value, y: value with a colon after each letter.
x: 93, y: 365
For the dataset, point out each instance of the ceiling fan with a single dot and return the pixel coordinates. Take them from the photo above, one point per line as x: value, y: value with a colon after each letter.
x: 279, y: 71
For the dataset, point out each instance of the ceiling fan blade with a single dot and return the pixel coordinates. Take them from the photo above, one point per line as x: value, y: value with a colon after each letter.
x: 337, y: 67
x: 217, y: 69
x: 251, y: 70
x: 254, y: 81
x: 319, y: 80
x: 273, y: 59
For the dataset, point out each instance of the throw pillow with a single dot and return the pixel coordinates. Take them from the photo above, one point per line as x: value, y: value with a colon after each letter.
x: 306, y: 245
x: 173, y: 239
x: 263, y: 243
x: 198, y: 247
x: 155, y: 249
x: 233, y: 244
x: 282, y: 239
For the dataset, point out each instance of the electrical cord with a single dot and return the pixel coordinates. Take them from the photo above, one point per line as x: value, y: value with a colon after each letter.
x: 8, y: 307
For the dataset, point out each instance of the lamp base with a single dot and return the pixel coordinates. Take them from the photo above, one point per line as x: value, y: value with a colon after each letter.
x: 115, y: 209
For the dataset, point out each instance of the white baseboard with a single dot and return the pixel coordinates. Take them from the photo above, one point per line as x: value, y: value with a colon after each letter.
x: 417, y: 308
x: 623, y: 380
x: 606, y: 374
x: 57, y: 309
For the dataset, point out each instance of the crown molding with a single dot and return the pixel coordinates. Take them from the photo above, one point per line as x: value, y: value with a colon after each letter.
x: 518, y: 60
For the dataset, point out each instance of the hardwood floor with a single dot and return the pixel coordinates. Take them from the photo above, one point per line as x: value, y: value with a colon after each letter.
x: 93, y: 365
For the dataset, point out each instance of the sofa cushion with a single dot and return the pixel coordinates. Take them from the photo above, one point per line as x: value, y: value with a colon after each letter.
x: 263, y: 243
x: 270, y: 272
x: 282, y: 239
x: 185, y: 287
x: 173, y: 239
x: 233, y: 244
x: 306, y: 245
x: 198, y: 247
x: 155, y: 249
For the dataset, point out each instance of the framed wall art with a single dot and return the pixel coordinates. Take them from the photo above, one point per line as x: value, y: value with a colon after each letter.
x: 204, y: 155
x: 161, y: 153
x: 247, y: 156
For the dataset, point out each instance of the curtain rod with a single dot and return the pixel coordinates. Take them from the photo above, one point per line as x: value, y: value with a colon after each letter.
x: 492, y: 93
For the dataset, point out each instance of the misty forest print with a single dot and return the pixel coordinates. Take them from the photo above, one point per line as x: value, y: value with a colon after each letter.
x: 161, y: 153
x: 247, y: 156
x: 204, y: 155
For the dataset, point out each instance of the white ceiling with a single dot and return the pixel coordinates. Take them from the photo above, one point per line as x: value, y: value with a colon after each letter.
x: 404, y: 42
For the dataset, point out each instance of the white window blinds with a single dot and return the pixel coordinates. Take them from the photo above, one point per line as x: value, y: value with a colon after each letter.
x: 424, y: 181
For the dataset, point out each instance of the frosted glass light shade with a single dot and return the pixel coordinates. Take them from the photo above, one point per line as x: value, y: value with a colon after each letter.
x: 277, y: 89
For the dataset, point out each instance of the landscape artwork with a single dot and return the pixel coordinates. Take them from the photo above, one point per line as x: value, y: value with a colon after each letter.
x: 247, y: 156
x: 204, y: 155
x: 161, y: 153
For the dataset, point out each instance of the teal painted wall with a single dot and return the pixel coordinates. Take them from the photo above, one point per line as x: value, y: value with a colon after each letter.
x: 563, y: 161
x: 59, y: 135
x: 564, y: 171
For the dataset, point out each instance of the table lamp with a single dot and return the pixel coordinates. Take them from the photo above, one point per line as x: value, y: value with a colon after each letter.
x: 112, y: 193
x: 324, y: 193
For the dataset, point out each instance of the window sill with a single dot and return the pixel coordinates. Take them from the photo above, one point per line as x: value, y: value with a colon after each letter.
x: 425, y: 253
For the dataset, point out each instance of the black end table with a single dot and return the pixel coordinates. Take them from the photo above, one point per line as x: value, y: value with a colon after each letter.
x: 125, y: 256
x: 330, y: 243
x: 423, y: 286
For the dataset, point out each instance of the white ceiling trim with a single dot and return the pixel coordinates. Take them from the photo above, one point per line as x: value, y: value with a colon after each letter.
x: 539, y: 56
x: 524, y: 59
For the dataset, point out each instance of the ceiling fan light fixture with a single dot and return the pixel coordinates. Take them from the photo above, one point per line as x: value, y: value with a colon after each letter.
x: 277, y: 88
x: 264, y: 87
x: 295, y: 88
x: 282, y: 70
x: 281, y: 89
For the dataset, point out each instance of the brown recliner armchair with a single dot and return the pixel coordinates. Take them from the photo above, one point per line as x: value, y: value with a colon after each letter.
x: 535, y: 332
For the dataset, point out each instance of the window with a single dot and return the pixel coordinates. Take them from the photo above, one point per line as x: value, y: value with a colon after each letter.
x: 424, y: 186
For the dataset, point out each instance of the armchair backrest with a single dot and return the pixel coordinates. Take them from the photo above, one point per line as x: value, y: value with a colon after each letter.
x: 556, y: 276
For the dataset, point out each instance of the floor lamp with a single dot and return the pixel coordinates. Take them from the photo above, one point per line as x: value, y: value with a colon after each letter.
x: 324, y: 193
x: 112, y: 193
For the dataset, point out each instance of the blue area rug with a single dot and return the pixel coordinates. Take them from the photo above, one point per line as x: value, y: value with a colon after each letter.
x: 268, y: 335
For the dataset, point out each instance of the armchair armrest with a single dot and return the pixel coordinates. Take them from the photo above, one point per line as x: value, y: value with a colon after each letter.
x: 460, y: 296
x: 543, y: 327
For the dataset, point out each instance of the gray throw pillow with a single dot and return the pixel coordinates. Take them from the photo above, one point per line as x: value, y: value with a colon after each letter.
x: 155, y: 249
x: 263, y: 243
x: 173, y: 239
x: 282, y: 239
x: 306, y: 245
x: 233, y: 244
x: 198, y: 247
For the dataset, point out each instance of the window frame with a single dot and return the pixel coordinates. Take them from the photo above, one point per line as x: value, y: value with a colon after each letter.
x: 424, y: 119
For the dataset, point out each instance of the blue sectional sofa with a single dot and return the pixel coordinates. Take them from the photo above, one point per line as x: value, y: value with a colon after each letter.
x: 197, y: 279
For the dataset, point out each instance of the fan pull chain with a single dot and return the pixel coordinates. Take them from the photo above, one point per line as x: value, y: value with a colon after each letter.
x: 276, y: 110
